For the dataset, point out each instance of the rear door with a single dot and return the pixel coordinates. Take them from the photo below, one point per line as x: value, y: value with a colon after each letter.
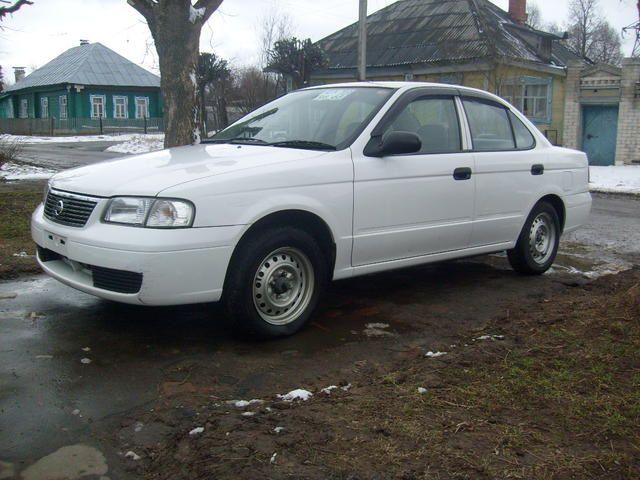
x: 508, y: 171
x: 414, y: 204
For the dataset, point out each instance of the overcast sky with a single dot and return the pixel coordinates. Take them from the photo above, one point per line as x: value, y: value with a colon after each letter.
x: 38, y: 33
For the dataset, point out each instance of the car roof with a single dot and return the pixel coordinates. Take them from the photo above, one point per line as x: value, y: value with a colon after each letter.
x: 405, y: 86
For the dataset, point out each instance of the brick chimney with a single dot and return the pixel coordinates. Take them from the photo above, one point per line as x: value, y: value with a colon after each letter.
x: 518, y: 11
x: 19, y: 73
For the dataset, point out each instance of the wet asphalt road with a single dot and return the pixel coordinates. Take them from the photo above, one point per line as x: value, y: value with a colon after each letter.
x: 60, y: 156
x: 50, y: 399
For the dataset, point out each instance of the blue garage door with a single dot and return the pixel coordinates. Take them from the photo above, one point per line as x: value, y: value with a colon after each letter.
x: 599, y: 130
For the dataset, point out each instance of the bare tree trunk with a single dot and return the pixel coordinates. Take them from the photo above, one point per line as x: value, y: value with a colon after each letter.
x: 175, y: 26
x: 177, y: 43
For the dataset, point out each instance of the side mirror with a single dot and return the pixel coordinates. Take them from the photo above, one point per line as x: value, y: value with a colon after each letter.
x: 393, y: 143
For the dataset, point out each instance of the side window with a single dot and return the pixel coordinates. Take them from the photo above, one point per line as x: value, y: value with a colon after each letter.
x: 352, y: 119
x: 44, y: 107
x: 97, y: 106
x: 434, y: 120
x: 524, y: 139
x: 490, y: 127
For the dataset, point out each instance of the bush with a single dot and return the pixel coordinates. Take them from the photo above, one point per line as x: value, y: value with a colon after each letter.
x: 9, y: 150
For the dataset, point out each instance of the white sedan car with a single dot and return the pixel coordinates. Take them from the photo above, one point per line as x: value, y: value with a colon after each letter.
x: 324, y: 183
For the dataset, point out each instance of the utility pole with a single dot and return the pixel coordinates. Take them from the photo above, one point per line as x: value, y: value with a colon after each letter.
x: 362, y: 41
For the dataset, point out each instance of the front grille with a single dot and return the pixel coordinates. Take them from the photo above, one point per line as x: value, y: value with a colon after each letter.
x: 119, y: 281
x: 68, y: 210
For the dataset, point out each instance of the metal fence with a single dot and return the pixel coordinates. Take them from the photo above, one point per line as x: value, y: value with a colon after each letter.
x: 79, y: 126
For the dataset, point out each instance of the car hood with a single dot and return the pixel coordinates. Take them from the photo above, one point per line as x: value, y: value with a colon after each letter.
x: 150, y: 173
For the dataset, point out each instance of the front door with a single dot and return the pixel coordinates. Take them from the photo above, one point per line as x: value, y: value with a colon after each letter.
x: 599, y: 130
x: 416, y: 204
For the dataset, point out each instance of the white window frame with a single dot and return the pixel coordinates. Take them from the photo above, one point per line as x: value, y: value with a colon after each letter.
x: 24, y: 108
x: 63, y: 107
x: 125, y: 104
x: 104, y: 105
x: 44, y: 107
x: 146, y: 106
x: 519, y: 95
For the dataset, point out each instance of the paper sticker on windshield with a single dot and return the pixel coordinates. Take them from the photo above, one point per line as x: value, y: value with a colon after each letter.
x: 334, y: 95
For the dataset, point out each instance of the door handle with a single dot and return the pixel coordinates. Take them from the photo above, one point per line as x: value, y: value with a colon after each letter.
x: 589, y: 136
x: 537, y: 169
x: 462, y: 173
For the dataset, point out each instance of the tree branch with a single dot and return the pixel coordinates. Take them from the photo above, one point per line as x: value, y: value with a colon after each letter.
x: 13, y: 8
x: 144, y: 8
x: 210, y: 6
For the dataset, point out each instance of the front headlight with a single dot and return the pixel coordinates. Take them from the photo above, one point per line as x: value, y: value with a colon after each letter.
x: 150, y: 212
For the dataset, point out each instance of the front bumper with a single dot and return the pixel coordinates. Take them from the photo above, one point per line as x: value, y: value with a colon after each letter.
x: 177, y: 266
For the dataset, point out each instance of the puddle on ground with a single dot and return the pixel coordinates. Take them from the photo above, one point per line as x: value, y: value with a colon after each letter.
x: 72, y: 462
x: 588, y: 262
x: 576, y: 259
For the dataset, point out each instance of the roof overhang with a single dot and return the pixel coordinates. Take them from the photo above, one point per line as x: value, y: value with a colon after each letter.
x: 553, y: 70
x: 416, y: 69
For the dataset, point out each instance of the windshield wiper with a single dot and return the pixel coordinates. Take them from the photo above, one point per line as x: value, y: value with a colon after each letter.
x: 307, y: 144
x: 243, y: 140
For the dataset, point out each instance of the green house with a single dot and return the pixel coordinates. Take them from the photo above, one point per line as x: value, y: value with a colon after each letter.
x: 88, y: 81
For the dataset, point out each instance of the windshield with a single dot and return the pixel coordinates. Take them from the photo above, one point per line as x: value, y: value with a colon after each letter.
x: 319, y: 119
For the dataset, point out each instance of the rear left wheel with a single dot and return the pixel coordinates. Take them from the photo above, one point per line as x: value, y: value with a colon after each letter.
x: 537, y: 244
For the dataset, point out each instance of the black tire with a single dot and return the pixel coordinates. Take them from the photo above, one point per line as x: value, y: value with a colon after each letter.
x: 530, y: 257
x: 298, y: 255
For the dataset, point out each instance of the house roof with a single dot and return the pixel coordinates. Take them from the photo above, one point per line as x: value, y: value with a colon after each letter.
x: 434, y: 32
x: 90, y: 64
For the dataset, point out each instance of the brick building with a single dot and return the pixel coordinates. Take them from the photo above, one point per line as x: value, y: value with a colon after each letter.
x: 602, y: 112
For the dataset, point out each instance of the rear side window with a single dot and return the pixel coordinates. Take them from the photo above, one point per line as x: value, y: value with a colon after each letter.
x: 434, y: 120
x: 524, y: 139
x: 490, y: 126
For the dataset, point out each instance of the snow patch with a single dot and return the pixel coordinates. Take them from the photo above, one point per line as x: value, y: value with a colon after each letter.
x: 273, y: 458
x: 328, y: 389
x: 597, y: 271
x: 19, y: 171
x: 377, y: 330
x: 491, y: 337
x: 422, y: 390
x: 298, y: 394
x: 139, y: 144
x: 85, y: 361
x: 70, y: 139
x: 377, y: 325
x: 278, y: 429
x: 245, y: 403
x: 431, y: 354
x: 196, y: 431
x: 615, y: 179
x: 132, y: 455
x: 248, y: 414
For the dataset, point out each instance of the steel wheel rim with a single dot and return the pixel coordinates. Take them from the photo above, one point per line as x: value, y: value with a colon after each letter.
x: 542, y: 238
x: 283, y: 286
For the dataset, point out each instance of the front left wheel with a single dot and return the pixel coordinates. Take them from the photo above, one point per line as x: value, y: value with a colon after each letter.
x: 275, y: 281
